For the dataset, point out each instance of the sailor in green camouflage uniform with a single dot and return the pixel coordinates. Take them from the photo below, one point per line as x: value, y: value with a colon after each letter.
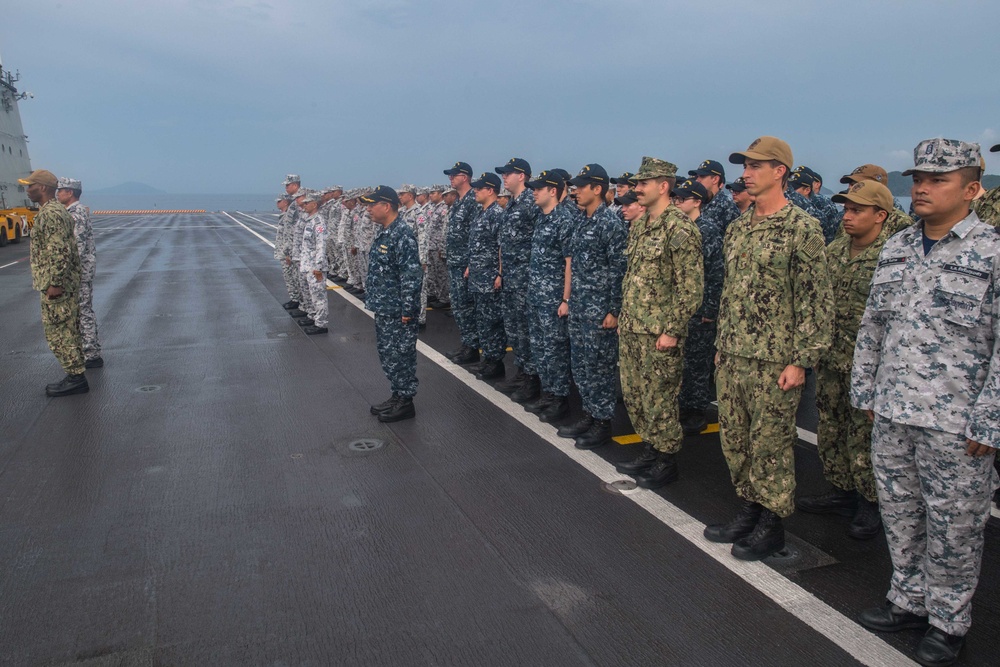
x: 55, y: 274
x: 844, y: 433
x: 987, y: 207
x: 927, y: 368
x: 774, y: 322
x: 662, y: 289
x: 898, y: 218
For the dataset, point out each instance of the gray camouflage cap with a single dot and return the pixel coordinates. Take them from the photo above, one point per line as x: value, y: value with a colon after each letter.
x: 652, y: 167
x: 313, y: 195
x: 291, y: 178
x: 68, y: 184
x: 940, y: 155
x: 406, y: 187
x: 437, y: 188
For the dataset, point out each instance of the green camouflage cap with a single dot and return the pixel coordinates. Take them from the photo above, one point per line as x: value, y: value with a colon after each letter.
x: 940, y: 155
x: 654, y: 168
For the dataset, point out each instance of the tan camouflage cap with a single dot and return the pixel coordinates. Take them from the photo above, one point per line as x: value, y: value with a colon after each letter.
x: 939, y: 156
x: 40, y: 176
x: 652, y: 167
x: 867, y: 193
x: 866, y: 172
x: 765, y: 148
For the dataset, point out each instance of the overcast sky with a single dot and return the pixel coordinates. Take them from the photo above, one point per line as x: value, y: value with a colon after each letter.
x: 226, y: 96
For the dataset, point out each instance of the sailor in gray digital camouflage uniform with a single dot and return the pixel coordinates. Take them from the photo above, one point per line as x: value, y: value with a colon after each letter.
x: 314, y: 265
x: 927, y: 370
x: 437, y: 267
x: 68, y: 193
x: 331, y: 211
x: 283, y: 242
x: 414, y: 214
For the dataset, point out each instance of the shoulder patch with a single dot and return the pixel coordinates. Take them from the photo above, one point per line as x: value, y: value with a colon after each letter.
x: 813, y: 247
x: 678, y: 238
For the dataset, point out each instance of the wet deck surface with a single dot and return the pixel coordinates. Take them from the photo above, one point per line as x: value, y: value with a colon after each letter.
x: 202, y: 505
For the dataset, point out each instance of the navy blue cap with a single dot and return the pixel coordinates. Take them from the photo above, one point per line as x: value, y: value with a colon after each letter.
x: 691, y: 188
x: 515, y: 165
x: 801, y: 177
x: 739, y: 185
x: 563, y: 173
x: 487, y: 180
x: 591, y: 174
x: 629, y: 197
x: 459, y: 168
x: 812, y: 172
x: 995, y: 149
x: 382, y: 193
x: 547, y: 179
x: 709, y: 168
x: 625, y: 179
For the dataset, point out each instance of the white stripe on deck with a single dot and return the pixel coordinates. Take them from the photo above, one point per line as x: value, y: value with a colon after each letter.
x: 864, y: 646
x: 248, y: 229
x: 257, y: 219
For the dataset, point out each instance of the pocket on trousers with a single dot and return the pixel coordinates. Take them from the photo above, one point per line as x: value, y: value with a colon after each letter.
x: 56, y: 311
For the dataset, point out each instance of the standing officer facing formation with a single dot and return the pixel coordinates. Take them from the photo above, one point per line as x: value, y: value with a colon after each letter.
x: 68, y: 193
x: 393, y: 294
x: 55, y: 274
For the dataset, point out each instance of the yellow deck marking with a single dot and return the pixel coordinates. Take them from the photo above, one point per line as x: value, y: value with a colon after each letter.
x: 634, y: 437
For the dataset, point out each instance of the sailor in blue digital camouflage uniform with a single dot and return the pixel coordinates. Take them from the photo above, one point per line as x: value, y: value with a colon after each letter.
x: 393, y: 294
x: 597, y: 267
x: 483, y: 276
x: 795, y: 195
x: 548, y: 288
x: 720, y: 209
x: 927, y: 370
x: 463, y: 305
x: 807, y: 182
x: 516, y: 231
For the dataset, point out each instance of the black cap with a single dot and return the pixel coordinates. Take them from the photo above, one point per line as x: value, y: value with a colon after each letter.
x: 629, y: 197
x: 815, y: 174
x: 382, y: 193
x: 515, y: 164
x: 709, y: 168
x: 995, y: 149
x: 487, y: 180
x: 591, y: 174
x: 563, y: 173
x: 691, y: 188
x: 547, y: 179
x: 801, y: 177
x: 624, y: 179
x: 739, y: 185
x: 459, y: 168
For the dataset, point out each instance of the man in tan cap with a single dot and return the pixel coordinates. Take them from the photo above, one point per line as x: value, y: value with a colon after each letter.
x: 662, y: 289
x: 55, y: 273
x: 844, y: 433
x: 774, y: 323
x: 898, y: 218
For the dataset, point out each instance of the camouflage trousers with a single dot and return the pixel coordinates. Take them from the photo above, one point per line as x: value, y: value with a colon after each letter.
x: 844, y: 435
x: 318, y: 303
x: 437, y: 275
x: 757, y: 427
x: 397, y: 351
x: 935, y: 501
x: 651, y: 380
x: 291, y: 275
x: 350, y: 266
x: 306, y: 302
x: 594, y: 357
x: 61, y: 322
x: 423, y: 299
x: 550, y: 346
x: 88, y: 321
x: 699, y: 353
x: 516, y: 325
x: 489, y: 325
x: 362, y: 268
x: 334, y: 256
x: 463, y: 307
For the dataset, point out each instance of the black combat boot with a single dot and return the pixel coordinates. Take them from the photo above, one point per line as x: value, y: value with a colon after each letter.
x: 867, y: 522
x: 693, y: 422
x: 402, y: 408
x: 938, y: 648
x: 295, y: 313
x: 513, y: 384
x: 491, y: 370
x: 834, y: 501
x: 660, y: 474
x: 890, y: 618
x: 529, y: 389
x: 557, y: 408
x: 96, y: 362
x: 71, y: 384
x: 539, y: 404
x: 767, y: 538
x: 647, y: 457
x: 290, y: 305
x: 742, y: 524
x: 384, y: 405
x: 597, y: 435
x: 305, y: 322
x: 579, y: 427
x: 313, y: 330
x: 466, y: 355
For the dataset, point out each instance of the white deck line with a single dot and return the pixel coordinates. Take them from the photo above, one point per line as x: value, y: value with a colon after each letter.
x: 257, y: 219
x: 864, y: 646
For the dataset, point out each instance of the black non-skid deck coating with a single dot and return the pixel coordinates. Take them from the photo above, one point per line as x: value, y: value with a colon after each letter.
x: 223, y: 519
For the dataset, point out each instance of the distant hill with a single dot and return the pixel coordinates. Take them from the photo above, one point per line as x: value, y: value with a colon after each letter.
x: 129, y: 188
x: 900, y: 185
